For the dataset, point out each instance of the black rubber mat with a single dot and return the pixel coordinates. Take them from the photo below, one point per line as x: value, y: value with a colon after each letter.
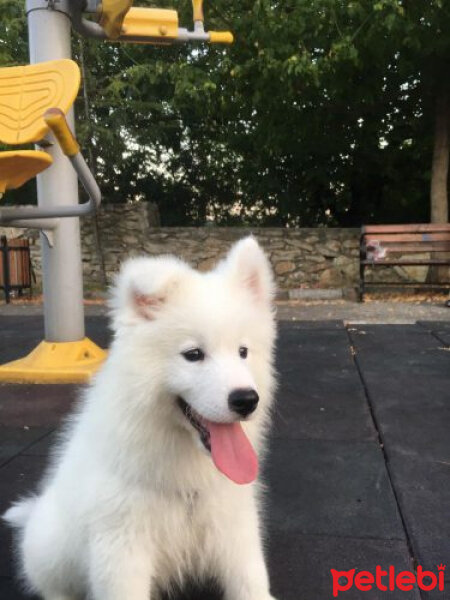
x: 358, y: 471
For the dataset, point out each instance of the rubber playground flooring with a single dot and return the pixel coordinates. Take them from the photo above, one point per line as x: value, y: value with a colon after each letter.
x: 359, y: 468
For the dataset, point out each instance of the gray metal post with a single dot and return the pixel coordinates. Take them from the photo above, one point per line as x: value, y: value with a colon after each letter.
x: 50, y: 39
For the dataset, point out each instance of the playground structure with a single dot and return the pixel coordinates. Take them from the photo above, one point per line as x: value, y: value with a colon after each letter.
x: 37, y: 107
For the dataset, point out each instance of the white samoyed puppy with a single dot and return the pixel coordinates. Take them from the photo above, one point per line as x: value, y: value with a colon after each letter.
x: 156, y: 478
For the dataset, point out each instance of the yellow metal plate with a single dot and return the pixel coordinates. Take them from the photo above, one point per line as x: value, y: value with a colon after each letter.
x: 150, y: 24
x: 17, y: 167
x: 27, y: 92
x: 56, y: 362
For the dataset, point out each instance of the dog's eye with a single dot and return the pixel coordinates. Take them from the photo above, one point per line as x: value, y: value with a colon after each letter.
x: 194, y: 355
x: 243, y: 352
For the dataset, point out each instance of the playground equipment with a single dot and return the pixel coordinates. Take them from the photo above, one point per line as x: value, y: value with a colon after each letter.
x: 37, y: 107
x: 119, y: 21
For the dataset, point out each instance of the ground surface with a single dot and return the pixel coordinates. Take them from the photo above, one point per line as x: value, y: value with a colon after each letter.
x: 359, y: 469
x: 404, y: 310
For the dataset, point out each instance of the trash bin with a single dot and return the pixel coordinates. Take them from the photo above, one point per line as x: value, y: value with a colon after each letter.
x: 15, y: 266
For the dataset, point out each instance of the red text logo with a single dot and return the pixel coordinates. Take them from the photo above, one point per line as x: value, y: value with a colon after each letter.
x: 387, y: 580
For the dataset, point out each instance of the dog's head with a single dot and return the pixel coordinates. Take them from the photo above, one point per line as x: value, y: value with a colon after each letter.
x: 204, y: 342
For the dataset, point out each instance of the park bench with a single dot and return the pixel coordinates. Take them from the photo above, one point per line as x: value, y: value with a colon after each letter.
x: 403, y: 245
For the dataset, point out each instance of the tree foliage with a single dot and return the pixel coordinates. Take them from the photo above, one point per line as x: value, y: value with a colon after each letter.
x: 322, y: 112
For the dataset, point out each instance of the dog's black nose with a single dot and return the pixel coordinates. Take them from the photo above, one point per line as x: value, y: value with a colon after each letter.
x: 243, y: 401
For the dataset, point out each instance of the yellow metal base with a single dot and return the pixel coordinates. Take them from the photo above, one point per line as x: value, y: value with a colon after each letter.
x: 55, y: 362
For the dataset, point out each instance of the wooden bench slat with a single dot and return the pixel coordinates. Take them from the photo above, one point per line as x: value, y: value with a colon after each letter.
x: 412, y: 284
x: 418, y: 261
x: 408, y: 237
x: 408, y: 247
x: 420, y: 227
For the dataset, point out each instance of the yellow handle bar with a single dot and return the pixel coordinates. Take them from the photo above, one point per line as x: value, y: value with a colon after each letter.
x: 55, y: 119
x: 221, y: 37
x: 197, y: 5
x: 113, y: 15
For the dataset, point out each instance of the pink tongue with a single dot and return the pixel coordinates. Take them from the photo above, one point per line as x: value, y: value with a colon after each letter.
x: 232, y: 452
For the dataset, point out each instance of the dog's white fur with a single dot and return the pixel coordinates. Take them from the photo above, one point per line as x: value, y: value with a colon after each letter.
x: 133, y: 502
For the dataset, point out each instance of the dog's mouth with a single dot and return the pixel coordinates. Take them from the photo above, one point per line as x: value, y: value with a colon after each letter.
x: 231, y: 451
x: 196, y: 421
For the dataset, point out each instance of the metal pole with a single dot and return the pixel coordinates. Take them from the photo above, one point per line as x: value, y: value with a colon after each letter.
x: 50, y: 39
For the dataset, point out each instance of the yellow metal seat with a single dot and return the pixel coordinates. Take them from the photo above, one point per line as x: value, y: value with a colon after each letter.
x: 27, y: 92
x: 18, y: 166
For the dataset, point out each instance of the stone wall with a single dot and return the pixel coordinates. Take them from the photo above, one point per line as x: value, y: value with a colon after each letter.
x: 310, y: 258
x: 300, y: 257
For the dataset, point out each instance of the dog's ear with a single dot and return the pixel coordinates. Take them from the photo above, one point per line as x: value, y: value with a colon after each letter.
x: 250, y: 268
x: 143, y: 287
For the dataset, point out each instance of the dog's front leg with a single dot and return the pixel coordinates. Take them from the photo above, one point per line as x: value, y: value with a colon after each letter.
x: 242, y: 559
x: 119, y: 567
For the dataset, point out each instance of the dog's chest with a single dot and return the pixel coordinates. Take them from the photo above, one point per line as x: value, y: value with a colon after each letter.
x: 190, y: 504
x: 181, y: 535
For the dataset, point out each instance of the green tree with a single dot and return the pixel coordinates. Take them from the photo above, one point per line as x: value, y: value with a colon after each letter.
x: 322, y: 112
x: 420, y: 30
